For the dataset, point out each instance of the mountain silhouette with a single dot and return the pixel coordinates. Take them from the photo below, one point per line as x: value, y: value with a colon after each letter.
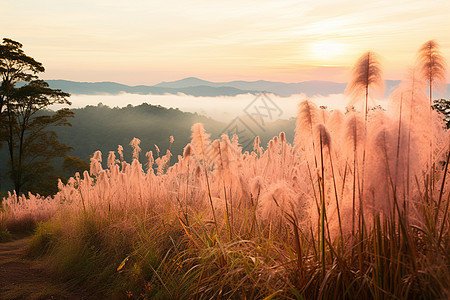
x: 197, y: 87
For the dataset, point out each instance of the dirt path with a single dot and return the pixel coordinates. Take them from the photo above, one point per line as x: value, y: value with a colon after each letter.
x: 21, y: 278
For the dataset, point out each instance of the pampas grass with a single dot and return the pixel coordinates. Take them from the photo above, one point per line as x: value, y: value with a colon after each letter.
x: 350, y: 210
x: 366, y: 75
x: 432, y: 65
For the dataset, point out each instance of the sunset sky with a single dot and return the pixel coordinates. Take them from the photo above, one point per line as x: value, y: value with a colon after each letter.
x: 145, y: 42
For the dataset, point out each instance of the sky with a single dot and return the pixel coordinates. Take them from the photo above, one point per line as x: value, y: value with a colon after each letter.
x: 146, y: 41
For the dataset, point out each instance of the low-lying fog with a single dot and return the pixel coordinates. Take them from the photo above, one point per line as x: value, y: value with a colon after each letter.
x: 219, y: 108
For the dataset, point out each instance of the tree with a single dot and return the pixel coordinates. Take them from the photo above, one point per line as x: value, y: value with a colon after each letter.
x: 15, y: 66
x: 25, y: 123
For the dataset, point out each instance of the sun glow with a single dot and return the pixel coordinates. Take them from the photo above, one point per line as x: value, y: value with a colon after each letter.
x: 326, y: 51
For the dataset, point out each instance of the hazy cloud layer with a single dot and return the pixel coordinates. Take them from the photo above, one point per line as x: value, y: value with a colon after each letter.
x: 220, y: 108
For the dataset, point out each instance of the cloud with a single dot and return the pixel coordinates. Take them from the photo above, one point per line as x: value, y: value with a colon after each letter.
x: 220, y: 108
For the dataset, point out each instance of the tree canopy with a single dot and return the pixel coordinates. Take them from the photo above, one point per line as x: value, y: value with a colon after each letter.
x: 15, y: 66
x: 31, y: 145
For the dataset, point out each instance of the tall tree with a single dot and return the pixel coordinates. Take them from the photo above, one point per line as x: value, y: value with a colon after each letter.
x: 25, y: 124
x: 15, y: 66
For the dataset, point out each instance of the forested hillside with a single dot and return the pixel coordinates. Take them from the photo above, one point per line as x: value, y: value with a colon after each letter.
x: 103, y: 128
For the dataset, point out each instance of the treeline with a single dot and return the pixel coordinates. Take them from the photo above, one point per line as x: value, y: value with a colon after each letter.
x: 104, y: 128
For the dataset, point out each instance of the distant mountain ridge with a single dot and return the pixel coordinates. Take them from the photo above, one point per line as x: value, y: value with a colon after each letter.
x: 310, y: 88
x: 202, y: 88
x: 113, y: 88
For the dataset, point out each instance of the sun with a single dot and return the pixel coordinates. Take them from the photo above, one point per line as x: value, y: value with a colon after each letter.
x: 326, y: 52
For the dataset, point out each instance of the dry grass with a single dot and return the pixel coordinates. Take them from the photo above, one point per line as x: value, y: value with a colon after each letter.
x: 354, y: 209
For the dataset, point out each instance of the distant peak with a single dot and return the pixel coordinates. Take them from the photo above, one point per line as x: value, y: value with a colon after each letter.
x: 191, y: 79
x: 185, y: 82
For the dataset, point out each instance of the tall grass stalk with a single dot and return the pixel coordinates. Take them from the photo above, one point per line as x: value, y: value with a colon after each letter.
x: 368, y: 220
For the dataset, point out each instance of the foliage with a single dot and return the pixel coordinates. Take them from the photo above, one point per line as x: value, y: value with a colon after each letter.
x: 443, y: 106
x: 31, y: 146
x: 15, y: 66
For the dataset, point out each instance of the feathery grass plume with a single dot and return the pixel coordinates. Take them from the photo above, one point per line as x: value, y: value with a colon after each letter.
x: 282, y: 137
x: 412, y: 92
x: 201, y: 145
x: 200, y: 142
x: 355, y: 135
x: 187, y: 151
x: 403, y: 104
x: 150, y: 161
x: 120, y: 151
x: 162, y: 162
x: 157, y: 150
x: 227, y: 155
x: 335, y: 126
x: 97, y: 156
x: 216, y: 152
x: 432, y: 66
x: 355, y: 132
x: 275, y: 139
x: 415, y: 109
x: 96, y: 166
x: 335, y: 121
x: 324, y: 142
x: 307, y: 118
x: 224, y: 160
x: 256, y: 185
x: 324, y: 114
x: 408, y: 104
x: 198, y: 171
x: 257, y: 146
x: 385, y: 143
x: 111, y: 160
x: 136, y: 149
x: 323, y: 136
x: 366, y: 75
x: 284, y: 151
x: 235, y: 140
x: 103, y: 184
x: 256, y: 143
x: 275, y: 200
x: 381, y: 158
